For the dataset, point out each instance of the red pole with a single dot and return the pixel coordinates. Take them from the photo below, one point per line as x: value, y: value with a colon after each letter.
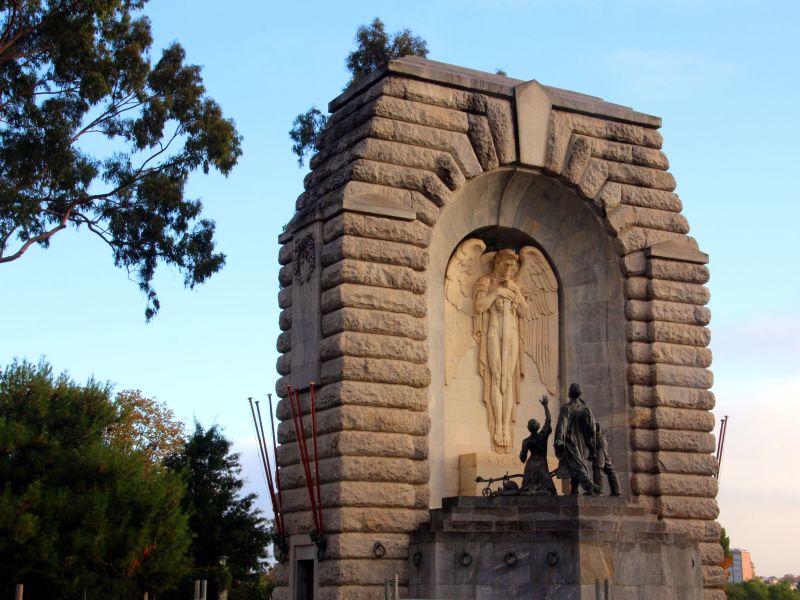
x: 300, y: 433
x: 316, y: 453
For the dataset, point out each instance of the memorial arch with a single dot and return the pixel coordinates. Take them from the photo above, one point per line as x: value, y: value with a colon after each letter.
x: 416, y: 161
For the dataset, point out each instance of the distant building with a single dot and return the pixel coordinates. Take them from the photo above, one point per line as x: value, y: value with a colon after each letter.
x: 742, y: 568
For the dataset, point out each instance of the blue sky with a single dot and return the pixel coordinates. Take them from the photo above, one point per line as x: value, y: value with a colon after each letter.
x: 723, y: 75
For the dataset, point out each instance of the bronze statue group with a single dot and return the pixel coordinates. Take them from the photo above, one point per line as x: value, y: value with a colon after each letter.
x: 581, y: 448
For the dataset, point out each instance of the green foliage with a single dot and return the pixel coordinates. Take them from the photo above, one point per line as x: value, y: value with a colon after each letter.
x: 78, y: 74
x: 725, y: 542
x: 222, y: 520
x: 501, y: 72
x: 305, y: 131
x: 755, y: 589
x: 77, y: 512
x: 374, y: 48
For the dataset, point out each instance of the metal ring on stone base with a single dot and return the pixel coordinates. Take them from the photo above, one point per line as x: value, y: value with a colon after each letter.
x: 510, y: 559
x: 552, y: 558
x: 417, y: 559
x: 379, y: 550
x: 465, y: 559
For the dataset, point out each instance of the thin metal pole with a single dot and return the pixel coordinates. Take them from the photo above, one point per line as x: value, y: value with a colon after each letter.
x: 267, y: 470
x: 723, y: 429
x: 18, y: 592
x: 277, y: 510
x: 275, y: 454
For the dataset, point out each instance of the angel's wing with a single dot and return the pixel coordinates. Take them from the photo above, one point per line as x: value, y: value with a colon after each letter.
x: 540, y: 330
x: 463, y: 271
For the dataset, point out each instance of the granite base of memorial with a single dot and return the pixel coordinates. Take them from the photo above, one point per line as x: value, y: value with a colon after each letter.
x: 545, y: 547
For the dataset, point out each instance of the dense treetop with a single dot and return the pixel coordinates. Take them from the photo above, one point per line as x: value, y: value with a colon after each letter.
x: 76, y: 76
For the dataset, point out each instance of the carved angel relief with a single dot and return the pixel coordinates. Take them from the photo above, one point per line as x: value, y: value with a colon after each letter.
x: 506, y: 304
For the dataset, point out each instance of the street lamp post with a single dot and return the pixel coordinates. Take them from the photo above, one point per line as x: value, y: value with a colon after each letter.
x: 222, y: 593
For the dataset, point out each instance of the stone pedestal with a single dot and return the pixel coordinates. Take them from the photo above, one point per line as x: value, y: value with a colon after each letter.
x: 565, y: 548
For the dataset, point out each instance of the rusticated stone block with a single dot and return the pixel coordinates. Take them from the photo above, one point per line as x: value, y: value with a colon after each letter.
x: 482, y: 142
x: 353, y: 443
x: 438, y: 162
x: 370, y: 345
x: 361, y: 545
x: 373, y: 274
x: 641, y: 288
x: 284, y: 364
x: 456, y: 144
x: 285, y: 319
x: 672, y: 375
x: 673, y: 333
x: 625, y: 216
x: 649, y: 198
x: 714, y: 594
x: 285, y: 253
x: 616, y: 131
x: 285, y: 297
x: 361, y: 418
x: 284, y: 343
x: 578, y: 157
x: 697, y: 529
x: 353, y: 493
x: 374, y: 369
x: 359, y: 468
x: 665, y: 395
x: 285, y: 275
x: 714, y: 576
x: 642, y: 176
x: 683, y: 441
x: 671, y: 354
x: 634, y: 263
x: 688, y: 463
x: 373, y: 394
x: 380, y: 228
x: 380, y: 251
x: 711, y: 553
x: 374, y: 298
x: 671, y: 418
x: 501, y: 124
x: 677, y: 271
x: 593, y: 178
x: 638, y: 238
x: 669, y: 484
x: 661, y: 310
x: 373, y: 321
x: 361, y: 571
x: 408, y: 178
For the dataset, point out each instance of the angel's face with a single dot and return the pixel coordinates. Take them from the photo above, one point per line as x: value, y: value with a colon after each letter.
x: 505, y: 266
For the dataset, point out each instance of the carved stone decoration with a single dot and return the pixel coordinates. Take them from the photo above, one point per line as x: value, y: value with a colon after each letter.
x: 305, y: 258
x: 506, y: 304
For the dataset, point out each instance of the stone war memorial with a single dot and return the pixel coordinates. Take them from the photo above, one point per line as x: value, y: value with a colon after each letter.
x: 494, y: 364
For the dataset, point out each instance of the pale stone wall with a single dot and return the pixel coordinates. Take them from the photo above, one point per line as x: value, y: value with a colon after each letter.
x: 414, y: 160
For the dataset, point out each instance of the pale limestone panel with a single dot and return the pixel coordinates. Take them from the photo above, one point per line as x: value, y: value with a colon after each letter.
x: 592, y: 317
x: 305, y: 306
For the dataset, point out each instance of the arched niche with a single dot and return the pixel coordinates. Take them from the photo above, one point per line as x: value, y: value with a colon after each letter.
x: 591, y: 348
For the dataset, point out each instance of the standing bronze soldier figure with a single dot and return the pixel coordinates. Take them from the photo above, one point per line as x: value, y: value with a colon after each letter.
x: 602, y: 462
x: 575, y: 442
